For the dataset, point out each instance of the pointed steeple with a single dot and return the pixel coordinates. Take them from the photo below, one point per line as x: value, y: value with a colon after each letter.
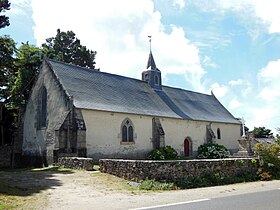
x: 151, y: 62
x: 152, y: 74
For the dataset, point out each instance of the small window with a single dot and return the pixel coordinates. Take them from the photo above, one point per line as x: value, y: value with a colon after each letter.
x: 43, y: 108
x: 146, y: 77
x: 218, y: 133
x: 156, y: 80
x: 127, y: 131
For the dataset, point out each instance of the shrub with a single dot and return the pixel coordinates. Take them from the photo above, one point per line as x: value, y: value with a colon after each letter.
x: 212, y: 151
x: 268, y: 159
x: 164, y: 153
x: 214, y: 179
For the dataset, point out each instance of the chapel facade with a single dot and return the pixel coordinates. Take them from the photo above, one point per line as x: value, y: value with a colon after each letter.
x: 74, y: 111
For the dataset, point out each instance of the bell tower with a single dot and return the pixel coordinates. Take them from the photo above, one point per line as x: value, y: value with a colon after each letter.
x: 152, y: 74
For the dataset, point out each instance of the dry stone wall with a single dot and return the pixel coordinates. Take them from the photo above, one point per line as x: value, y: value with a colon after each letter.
x: 177, y: 169
x: 76, y: 163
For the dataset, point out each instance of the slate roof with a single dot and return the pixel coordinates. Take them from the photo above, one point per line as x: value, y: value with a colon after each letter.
x: 108, y: 92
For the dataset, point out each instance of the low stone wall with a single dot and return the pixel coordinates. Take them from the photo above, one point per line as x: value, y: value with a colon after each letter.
x: 5, y: 156
x: 76, y: 163
x: 177, y: 169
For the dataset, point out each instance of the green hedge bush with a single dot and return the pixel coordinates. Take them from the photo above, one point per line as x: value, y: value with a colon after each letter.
x: 164, y: 153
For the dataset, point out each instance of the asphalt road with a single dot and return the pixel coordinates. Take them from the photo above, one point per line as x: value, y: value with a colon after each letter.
x: 267, y: 200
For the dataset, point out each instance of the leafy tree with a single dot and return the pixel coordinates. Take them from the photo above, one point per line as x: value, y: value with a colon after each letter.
x: 277, y: 137
x: 28, y: 61
x: 262, y: 132
x: 7, y: 66
x: 4, y: 5
x: 67, y: 48
x: 7, y: 70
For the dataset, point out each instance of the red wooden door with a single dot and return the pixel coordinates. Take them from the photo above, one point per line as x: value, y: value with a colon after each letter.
x: 187, y: 147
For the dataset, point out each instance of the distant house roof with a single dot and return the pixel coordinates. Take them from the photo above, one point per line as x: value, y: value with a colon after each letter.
x: 109, y: 92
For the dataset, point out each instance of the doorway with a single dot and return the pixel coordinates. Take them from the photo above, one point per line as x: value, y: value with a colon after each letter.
x: 187, y: 147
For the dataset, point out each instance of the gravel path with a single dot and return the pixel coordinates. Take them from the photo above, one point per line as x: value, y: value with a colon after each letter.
x: 94, y: 190
x: 83, y: 190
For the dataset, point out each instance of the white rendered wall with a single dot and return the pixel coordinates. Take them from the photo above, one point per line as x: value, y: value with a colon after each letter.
x: 103, y: 135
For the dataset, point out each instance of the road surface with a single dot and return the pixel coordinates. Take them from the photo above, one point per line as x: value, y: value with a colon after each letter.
x: 267, y: 200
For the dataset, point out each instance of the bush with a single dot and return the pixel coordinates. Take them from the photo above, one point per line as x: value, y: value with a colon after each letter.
x: 214, y: 179
x: 268, y: 160
x: 164, y: 153
x: 212, y: 151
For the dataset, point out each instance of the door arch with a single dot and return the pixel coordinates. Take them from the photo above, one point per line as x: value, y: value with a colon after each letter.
x: 187, y: 147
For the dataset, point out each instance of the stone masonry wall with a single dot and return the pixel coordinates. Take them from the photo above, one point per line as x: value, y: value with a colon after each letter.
x: 177, y: 169
x: 76, y: 163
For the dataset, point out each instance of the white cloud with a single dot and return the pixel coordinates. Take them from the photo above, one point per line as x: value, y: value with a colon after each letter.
x: 269, y: 78
x: 219, y: 90
x: 234, y: 104
x: 270, y: 72
x: 253, y: 13
x: 207, y: 62
x: 118, y: 31
x: 180, y: 3
x: 236, y: 82
x: 18, y: 7
x: 267, y: 11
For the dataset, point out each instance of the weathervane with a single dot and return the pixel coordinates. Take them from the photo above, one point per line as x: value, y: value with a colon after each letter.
x: 150, y: 40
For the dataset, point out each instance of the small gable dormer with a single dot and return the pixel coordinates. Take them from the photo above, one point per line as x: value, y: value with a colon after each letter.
x: 152, y: 74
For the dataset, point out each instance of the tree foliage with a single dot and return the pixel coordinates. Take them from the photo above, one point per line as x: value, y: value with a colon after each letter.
x: 4, y: 20
x: 262, y: 132
x: 269, y: 160
x: 28, y: 61
x: 7, y: 66
x: 67, y: 48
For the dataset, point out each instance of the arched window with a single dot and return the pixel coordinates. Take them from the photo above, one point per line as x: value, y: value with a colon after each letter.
x: 156, y: 80
x: 127, y: 131
x: 218, y: 133
x: 43, y: 108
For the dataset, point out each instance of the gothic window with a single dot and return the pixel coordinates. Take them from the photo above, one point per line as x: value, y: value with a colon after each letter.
x: 156, y: 80
x: 43, y: 108
x: 218, y: 133
x: 127, y: 131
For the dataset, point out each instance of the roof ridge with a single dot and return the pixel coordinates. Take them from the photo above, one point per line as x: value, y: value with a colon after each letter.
x: 96, y: 72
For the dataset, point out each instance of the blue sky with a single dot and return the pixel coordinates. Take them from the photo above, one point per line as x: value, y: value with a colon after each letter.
x: 229, y: 47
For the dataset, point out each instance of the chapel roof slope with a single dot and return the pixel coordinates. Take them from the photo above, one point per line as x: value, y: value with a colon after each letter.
x: 109, y: 92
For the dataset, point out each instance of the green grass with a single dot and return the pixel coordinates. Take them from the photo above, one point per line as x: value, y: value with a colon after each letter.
x: 96, y: 167
x: 4, y: 206
x: 155, y: 185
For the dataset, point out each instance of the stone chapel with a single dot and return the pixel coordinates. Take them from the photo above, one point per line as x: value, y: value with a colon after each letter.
x: 75, y: 111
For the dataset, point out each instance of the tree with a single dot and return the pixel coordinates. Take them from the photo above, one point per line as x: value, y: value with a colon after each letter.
x: 28, y: 61
x: 7, y: 75
x: 262, y: 132
x: 278, y: 136
x: 67, y: 48
x: 7, y: 66
x: 4, y: 5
